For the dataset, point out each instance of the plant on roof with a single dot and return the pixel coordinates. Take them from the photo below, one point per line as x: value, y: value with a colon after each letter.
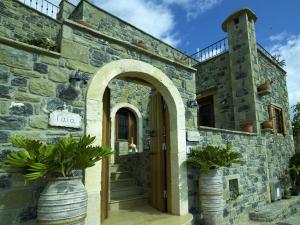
x: 39, y: 160
x: 42, y: 42
x: 212, y: 157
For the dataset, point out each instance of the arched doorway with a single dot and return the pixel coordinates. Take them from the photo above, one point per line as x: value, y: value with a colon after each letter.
x: 94, y: 117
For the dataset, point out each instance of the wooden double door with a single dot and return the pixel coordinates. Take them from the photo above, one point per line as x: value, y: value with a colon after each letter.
x: 160, y: 154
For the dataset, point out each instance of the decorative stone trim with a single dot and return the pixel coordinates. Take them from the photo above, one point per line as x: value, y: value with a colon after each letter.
x: 94, y: 113
x: 125, y: 43
x: 27, y: 47
x: 226, y: 131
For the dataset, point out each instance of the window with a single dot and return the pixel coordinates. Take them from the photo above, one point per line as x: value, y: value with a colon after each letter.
x: 126, y: 126
x: 206, y: 111
x: 277, y: 116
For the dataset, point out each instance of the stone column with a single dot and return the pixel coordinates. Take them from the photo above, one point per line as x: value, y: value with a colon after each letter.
x: 244, y: 67
x: 65, y: 10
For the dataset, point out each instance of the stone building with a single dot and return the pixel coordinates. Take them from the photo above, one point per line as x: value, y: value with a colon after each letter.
x: 130, y: 87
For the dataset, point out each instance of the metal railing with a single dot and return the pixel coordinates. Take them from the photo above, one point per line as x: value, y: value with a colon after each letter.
x: 211, y: 51
x: 43, y: 6
x: 267, y: 54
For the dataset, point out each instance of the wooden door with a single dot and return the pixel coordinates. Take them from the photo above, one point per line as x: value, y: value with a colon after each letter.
x: 105, y: 161
x: 160, y: 155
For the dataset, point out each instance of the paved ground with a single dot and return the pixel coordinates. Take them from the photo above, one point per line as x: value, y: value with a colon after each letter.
x: 145, y: 215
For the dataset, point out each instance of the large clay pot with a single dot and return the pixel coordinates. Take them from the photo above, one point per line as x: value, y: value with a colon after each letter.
x: 211, y: 197
x: 267, y: 124
x: 141, y: 44
x: 265, y: 86
x: 247, y: 127
x: 63, y: 201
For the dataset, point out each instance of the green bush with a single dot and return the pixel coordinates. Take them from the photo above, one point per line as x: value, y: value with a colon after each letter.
x: 42, y: 42
x: 39, y: 160
x: 212, y: 157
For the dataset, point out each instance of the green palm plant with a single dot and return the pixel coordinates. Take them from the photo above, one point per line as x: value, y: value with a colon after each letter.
x: 212, y: 157
x: 39, y: 160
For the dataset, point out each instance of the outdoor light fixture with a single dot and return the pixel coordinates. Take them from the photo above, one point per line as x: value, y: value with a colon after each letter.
x: 76, y: 77
x: 192, y: 103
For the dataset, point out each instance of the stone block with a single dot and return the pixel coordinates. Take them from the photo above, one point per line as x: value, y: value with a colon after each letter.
x: 4, y: 135
x: 4, y: 91
x: 15, y: 58
x: 79, y: 53
x: 40, y: 121
x: 12, y: 123
x: 42, y: 87
x: 26, y: 73
x: 40, y: 67
x: 3, y: 107
x: 26, y: 97
x: 71, y: 64
x: 58, y: 74
x: 4, y: 75
x: 20, y: 109
x: 19, y: 81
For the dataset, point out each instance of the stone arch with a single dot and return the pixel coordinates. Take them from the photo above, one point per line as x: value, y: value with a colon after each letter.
x: 130, y: 68
x: 139, y: 120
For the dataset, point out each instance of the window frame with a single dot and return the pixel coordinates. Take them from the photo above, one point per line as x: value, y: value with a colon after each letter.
x: 207, y: 100
x: 131, y: 126
x: 273, y: 112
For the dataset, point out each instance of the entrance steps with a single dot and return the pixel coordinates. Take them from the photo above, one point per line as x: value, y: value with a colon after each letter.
x: 124, y: 191
x: 279, y: 212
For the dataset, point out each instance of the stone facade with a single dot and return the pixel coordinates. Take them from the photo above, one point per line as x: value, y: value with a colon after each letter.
x: 35, y: 82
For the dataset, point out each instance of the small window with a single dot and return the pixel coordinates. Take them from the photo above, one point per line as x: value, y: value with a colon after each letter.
x: 206, y: 111
x: 277, y: 116
x: 126, y: 126
x: 233, y: 189
x: 279, y: 121
x: 236, y: 21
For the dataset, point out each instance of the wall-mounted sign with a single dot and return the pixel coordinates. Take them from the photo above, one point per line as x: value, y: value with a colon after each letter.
x: 60, y: 118
x: 192, y: 136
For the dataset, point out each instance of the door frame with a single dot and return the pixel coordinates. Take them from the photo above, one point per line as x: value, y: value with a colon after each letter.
x: 130, y: 68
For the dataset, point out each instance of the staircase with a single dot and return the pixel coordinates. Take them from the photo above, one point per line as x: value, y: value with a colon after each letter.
x: 124, y: 192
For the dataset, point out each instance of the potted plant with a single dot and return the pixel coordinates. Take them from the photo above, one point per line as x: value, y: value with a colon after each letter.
x: 209, y: 160
x: 141, y: 44
x: 268, y: 124
x: 264, y: 86
x: 64, y: 198
x: 247, y: 127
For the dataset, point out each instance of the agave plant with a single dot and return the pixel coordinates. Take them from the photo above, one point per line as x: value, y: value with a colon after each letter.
x: 212, y: 157
x: 39, y: 160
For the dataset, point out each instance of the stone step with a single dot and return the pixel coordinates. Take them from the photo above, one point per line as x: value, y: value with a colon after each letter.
x: 122, y: 183
x: 128, y: 202
x: 114, y: 176
x: 292, y: 220
x: 276, y: 210
x: 128, y: 191
x: 116, y: 168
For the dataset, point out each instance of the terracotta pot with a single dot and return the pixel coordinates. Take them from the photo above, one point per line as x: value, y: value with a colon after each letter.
x: 247, y: 127
x: 267, y: 124
x: 82, y: 22
x: 264, y: 86
x: 141, y: 44
x: 180, y: 61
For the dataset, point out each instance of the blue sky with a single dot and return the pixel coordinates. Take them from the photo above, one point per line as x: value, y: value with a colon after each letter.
x: 192, y: 24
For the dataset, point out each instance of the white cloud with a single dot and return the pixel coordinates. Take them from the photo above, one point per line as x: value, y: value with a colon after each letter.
x: 279, y: 37
x: 290, y: 51
x: 194, y: 7
x: 153, y: 18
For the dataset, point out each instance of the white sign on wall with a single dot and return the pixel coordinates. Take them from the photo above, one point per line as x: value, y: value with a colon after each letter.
x: 61, y: 118
x: 192, y: 135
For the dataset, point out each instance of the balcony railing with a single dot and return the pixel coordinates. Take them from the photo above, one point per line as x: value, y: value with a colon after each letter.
x: 42, y: 6
x: 211, y: 51
x: 268, y: 54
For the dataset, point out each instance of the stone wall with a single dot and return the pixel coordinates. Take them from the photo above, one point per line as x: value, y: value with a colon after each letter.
x: 115, y: 27
x: 213, y: 77
x: 252, y: 173
x: 34, y: 82
x: 20, y: 22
